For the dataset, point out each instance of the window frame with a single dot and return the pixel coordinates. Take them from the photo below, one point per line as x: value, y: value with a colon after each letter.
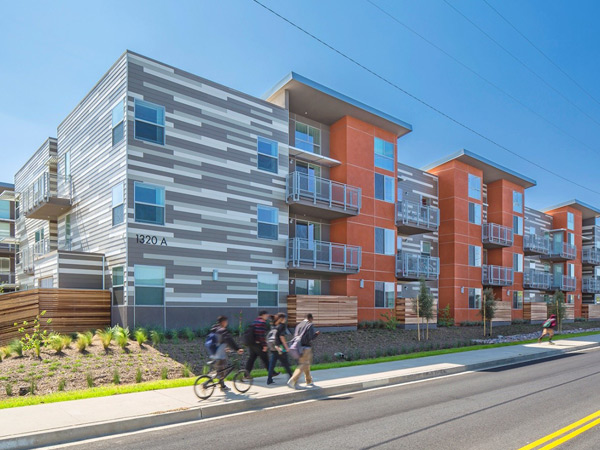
x: 276, y: 224
x: 471, y: 188
x: 518, y: 262
x: 517, y: 300
x: 112, y: 275
x: 477, y: 255
x: 384, y: 160
x: 8, y: 209
x: 386, y: 301
x: 273, y: 144
x: 148, y: 104
x: 302, y: 141
x: 258, y: 290
x: 387, y: 187
x: 477, y: 292
x: 4, y: 260
x: 518, y: 201
x: 136, y: 285
x: 518, y: 225
x: 120, y: 123
x: 163, y: 206
x: 474, y: 207
x: 122, y: 204
x: 570, y: 221
x: 388, y: 247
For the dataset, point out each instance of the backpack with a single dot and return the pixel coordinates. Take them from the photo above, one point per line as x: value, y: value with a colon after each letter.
x: 547, y: 323
x: 248, y: 338
x: 211, y: 343
x: 272, y: 339
x: 296, y: 344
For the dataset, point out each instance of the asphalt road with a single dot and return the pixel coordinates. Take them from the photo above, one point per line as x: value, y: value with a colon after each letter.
x: 504, y: 408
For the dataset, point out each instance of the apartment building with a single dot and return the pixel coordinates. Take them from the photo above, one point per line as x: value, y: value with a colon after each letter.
x: 189, y: 199
x: 7, y: 237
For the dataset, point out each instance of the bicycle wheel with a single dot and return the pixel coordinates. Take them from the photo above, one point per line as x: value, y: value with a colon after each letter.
x: 204, y: 386
x: 242, y: 381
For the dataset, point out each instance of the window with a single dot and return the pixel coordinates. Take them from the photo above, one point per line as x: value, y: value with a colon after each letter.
x: 517, y: 202
x: 149, y: 122
x: 46, y: 282
x: 425, y: 248
x: 531, y: 230
x: 384, y: 241
x: 308, y: 138
x: 149, y: 203
x: 268, y: 222
x: 39, y: 235
x: 474, y: 256
x: 4, y: 229
x: 384, y: 154
x: 517, y: 262
x: 149, y: 285
x: 475, y: 213
x: 384, y: 188
x: 571, y: 238
x: 307, y: 287
x: 118, y: 122
x: 4, y: 209
x: 4, y: 265
x: 384, y: 294
x: 67, y: 165
x: 517, y: 299
x: 518, y: 225
x: 68, y: 231
x: 118, y: 207
x: 570, y: 221
x: 474, y: 298
x: 475, y: 187
x: 268, y: 291
x: 118, y: 280
x: 571, y: 270
x: 268, y: 155
x: 571, y: 298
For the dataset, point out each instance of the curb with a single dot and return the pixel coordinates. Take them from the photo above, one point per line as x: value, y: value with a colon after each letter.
x: 103, y: 429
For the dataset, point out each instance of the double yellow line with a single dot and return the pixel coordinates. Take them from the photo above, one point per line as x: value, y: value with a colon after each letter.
x: 579, y: 427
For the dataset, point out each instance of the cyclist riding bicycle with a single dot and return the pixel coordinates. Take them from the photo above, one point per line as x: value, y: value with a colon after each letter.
x: 225, y: 343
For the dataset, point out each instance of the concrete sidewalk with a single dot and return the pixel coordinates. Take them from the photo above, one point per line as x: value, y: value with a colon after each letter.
x: 56, y: 423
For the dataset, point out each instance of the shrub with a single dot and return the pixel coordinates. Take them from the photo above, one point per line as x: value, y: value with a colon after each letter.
x: 141, y: 336
x: 188, y: 334
x: 116, y: 377
x: 6, y: 351
x: 56, y: 342
x: 157, y: 337
x: 32, y: 385
x: 390, y: 321
x: 89, y: 336
x: 8, y: 388
x: 61, y: 384
x: 106, y: 337
x: 444, y: 317
x: 16, y: 346
x: 169, y: 334
x: 81, y: 342
x: 66, y: 340
x: 34, y: 340
x: 363, y: 325
x: 518, y: 322
x: 138, y: 375
x: 580, y: 319
x: 186, y: 370
x: 122, y: 337
x: 471, y: 323
x: 89, y: 379
x: 164, y: 373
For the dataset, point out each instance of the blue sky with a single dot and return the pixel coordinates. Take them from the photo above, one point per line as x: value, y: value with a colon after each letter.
x: 54, y: 52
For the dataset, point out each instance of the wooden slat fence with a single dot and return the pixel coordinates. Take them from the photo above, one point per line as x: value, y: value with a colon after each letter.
x: 71, y: 310
x: 590, y: 311
x: 535, y: 311
x: 406, y: 313
x: 327, y: 310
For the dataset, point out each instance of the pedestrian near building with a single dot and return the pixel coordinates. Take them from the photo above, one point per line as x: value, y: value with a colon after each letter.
x: 256, y: 340
x: 224, y: 342
x: 304, y: 334
x: 279, y: 347
x: 548, y: 329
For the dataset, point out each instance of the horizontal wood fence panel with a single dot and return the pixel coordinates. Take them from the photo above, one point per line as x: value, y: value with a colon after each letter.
x: 503, y: 312
x: 535, y: 311
x: 406, y: 312
x: 590, y: 311
x: 327, y: 310
x: 71, y: 310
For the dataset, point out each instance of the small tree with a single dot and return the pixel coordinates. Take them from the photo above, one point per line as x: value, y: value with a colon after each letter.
x: 37, y: 338
x: 557, y: 306
x: 424, y: 306
x: 488, y: 309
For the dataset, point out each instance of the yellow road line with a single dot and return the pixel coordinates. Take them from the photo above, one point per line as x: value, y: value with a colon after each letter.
x: 561, y: 431
x: 571, y: 435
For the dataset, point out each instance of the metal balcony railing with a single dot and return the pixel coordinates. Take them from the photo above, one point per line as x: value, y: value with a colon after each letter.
x: 537, y: 279
x: 42, y: 190
x: 536, y: 243
x: 321, y: 255
x: 25, y: 259
x: 591, y: 256
x: 414, y: 214
x: 590, y: 285
x: 564, y: 283
x: 561, y: 250
x: 7, y: 278
x: 496, y: 276
x: 496, y: 234
x: 416, y: 266
x: 324, y: 192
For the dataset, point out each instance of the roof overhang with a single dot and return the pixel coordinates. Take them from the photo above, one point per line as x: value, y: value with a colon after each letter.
x: 587, y: 211
x: 320, y: 103
x: 313, y: 157
x: 491, y: 171
x: 8, y: 195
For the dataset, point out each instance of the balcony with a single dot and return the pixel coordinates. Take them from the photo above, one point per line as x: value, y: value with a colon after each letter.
x: 414, y: 266
x: 333, y: 199
x: 25, y: 259
x: 561, y: 251
x: 536, y: 244
x: 7, y: 280
x: 496, y: 276
x: 590, y: 285
x: 537, y: 279
x: 41, y: 199
x: 320, y: 256
x: 591, y: 256
x: 415, y: 218
x: 494, y: 235
x: 564, y: 283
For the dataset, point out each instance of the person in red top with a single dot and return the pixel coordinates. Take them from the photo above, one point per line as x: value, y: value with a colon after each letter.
x: 258, y: 348
x: 548, y: 329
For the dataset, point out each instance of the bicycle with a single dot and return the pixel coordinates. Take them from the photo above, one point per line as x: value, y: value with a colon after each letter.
x: 204, y: 385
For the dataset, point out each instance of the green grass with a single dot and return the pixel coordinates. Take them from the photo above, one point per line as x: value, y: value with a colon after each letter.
x: 109, y: 390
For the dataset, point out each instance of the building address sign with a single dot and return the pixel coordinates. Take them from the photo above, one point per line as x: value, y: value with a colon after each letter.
x: 150, y: 240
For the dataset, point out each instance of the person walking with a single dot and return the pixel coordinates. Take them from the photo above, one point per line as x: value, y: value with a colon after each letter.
x: 304, y: 333
x: 279, y: 348
x: 548, y: 329
x: 257, y: 342
x: 224, y: 342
